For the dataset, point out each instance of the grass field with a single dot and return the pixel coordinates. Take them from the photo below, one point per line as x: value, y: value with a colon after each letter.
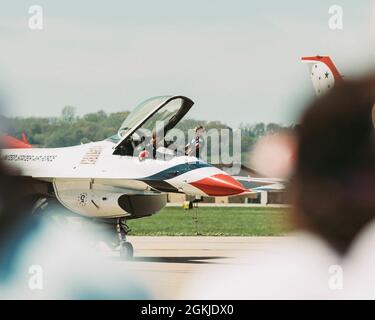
x: 213, y: 221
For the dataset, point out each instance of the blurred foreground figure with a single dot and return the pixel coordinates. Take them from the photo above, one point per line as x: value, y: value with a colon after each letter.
x: 332, y: 192
x: 334, y: 182
x: 43, y: 259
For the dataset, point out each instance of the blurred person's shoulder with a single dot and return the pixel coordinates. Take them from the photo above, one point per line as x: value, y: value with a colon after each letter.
x: 294, y: 267
x: 360, y: 265
x: 52, y: 261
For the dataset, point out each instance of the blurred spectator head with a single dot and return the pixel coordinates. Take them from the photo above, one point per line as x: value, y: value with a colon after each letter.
x: 333, y: 186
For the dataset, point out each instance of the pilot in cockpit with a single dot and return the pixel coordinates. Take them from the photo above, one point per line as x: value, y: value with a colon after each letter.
x: 157, y: 148
x: 153, y: 145
x: 149, y: 149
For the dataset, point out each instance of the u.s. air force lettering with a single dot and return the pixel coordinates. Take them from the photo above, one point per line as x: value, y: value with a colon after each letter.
x: 29, y: 157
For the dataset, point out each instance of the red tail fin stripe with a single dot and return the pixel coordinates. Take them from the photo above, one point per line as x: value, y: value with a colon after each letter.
x: 24, y: 138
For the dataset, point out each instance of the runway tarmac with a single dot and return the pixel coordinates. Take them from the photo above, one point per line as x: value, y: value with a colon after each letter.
x: 167, y: 264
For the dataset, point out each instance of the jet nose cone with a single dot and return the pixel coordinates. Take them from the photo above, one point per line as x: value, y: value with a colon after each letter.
x: 219, y: 185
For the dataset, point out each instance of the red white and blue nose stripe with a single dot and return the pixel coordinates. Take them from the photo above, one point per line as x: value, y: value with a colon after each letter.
x: 198, y: 178
x: 219, y: 185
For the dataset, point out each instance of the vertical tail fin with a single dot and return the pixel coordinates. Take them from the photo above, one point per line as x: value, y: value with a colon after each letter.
x: 9, y: 142
x: 323, y: 72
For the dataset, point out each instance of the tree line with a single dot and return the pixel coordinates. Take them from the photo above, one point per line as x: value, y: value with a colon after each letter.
x: 69, y: 129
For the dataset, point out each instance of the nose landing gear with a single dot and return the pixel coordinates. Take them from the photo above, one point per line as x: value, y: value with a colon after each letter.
x: 126, y: 248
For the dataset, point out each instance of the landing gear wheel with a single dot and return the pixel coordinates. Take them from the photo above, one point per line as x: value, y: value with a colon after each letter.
x: 126, y: 250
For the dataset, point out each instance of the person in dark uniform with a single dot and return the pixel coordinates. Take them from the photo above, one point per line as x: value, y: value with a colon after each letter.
x: 195, y: 146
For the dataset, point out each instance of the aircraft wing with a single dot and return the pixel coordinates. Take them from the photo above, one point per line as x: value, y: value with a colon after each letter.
x: 255, y: 185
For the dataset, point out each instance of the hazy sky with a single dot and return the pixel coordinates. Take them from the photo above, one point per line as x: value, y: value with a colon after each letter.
x: 238, y: 60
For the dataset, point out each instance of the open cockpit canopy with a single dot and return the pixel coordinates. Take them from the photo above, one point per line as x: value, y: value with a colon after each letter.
x: 160, y: 113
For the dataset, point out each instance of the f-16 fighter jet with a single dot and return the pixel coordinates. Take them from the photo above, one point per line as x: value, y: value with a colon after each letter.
x: 120, y: 178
